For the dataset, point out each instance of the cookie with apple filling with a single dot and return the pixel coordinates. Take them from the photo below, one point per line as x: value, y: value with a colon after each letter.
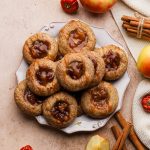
x: 60, y: 110
x: 75, y: 72
x: 100, y: 101
x: 116, y: 61
x: 76, y: 36
x: 27, y: 101
x: 41, y: 78
x: 38, y: 46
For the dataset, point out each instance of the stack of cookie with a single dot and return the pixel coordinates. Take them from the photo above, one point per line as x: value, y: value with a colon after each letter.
x: 64, y: 78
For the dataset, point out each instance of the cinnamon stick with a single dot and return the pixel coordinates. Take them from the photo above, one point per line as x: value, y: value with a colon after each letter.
x: 122, y: 138
x: 143, y: 37
x: 117, y: 132
x: 128, y: 26
x: 135, y: 24
x: 135, y: 31
x: 129, y: 18
x: 132, y: 135
x: 116, y: 146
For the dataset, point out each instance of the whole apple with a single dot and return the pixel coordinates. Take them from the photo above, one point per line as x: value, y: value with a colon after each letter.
x: 98, y: 6
x: 143, y: 62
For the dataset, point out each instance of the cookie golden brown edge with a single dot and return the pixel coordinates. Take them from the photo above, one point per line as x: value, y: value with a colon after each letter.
x: 41, y: 77
x: 100, y: 101
x: 40, y: 45
x: 27, y: 101
x: 76, y: 36
x: 60, y: 110
x: 116, y: 61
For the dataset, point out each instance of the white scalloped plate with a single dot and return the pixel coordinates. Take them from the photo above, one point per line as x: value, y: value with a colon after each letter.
x: 82, y: 123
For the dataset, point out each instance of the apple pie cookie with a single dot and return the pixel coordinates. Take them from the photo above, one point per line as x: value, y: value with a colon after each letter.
x: 75, y: 72
x: 41, y: 78
x: 27, y: 101
x: 100, y: 101
x: 60, y: 110
x: 116, y: 61
x: 76, y: 36
x: 38, y: 46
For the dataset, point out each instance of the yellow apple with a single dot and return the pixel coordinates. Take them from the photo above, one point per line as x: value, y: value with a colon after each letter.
x: 143, y: 62
x: 98, y: 6
x: 98, y: 143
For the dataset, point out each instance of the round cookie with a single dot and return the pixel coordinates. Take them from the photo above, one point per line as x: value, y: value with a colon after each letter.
x: 100, y: 101
x: 99, y: 67
x: 116, y: 61
x: 28, y: 102
x: 75, y: 72
x: 60, y: 110
x: 40, y: 45
x: 41, y: 78
x: 76, y: 36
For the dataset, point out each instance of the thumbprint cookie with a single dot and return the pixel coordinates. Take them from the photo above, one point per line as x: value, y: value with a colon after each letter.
x: 60, y: 110
x: 38, y: 46
x: 41, y: 78
x: 27, y: 101
x: 75, y: 72
x: 76, y: 36
x: 100, y: 101
x: 99, y: 67
x: 116, y: 61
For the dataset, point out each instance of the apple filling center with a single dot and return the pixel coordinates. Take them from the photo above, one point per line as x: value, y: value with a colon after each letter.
x: 61, y: 111
x: 77, y: 39
x: 45, y: 75
x: 112, y: 60
x: 99, y: 97
x: 32, y: 98
x: 75, y: 70
x: 39, y: 49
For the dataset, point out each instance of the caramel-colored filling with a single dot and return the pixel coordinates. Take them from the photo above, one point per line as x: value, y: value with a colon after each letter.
x: 32, y: 98
x: 61, y: 111
x: 77, y: 39
x: 99, y: 97
x: 39, y: 49
x: 75, y: 69
x: 112, y: 60
x: 44, y: 75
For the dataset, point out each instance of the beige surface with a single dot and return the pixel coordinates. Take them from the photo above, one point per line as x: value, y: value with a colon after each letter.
x: 18, y: 20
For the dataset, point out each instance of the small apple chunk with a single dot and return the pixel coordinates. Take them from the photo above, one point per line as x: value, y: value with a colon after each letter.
x: 98, y: 143
x: 143, y: 62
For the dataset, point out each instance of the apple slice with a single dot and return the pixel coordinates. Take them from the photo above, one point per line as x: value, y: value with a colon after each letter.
x: 98, y: 143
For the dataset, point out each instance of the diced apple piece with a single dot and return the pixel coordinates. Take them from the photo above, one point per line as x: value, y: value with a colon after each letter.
x: 98, y: 143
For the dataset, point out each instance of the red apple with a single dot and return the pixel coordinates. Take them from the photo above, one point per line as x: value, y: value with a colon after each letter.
x: 98, y: 6
x: 143, y: 62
